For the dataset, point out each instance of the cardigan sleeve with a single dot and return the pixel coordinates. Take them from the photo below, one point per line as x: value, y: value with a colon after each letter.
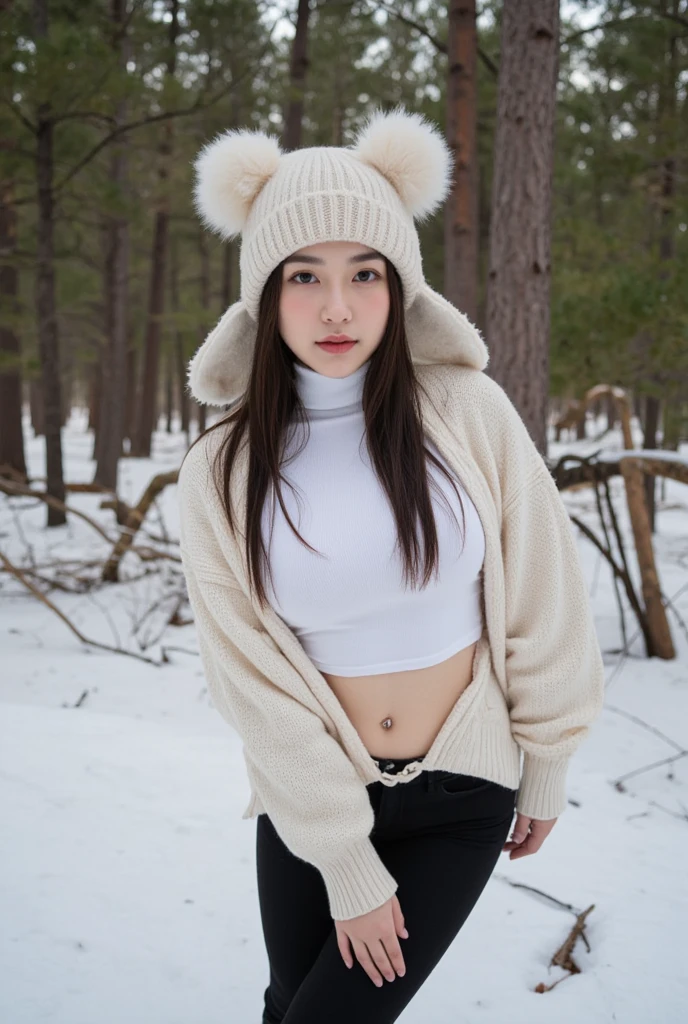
x: 309, y: 787
x: 554, y: 667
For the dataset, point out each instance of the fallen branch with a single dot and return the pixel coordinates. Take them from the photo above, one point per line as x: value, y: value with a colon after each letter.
x: 645, y: 725
x: 151, y: 555
x: 619, y: 783
x: 539, y: 892
x: 50, y: 583
x: 134, y: 520
x: 19, y: 575
x: 564, y: 955
x: 18, y: 490
x: 119, y: 507
x: 654, y: 462
x: 683, y: 816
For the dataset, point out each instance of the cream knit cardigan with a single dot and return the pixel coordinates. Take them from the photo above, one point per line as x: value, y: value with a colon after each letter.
x: 538, y: 674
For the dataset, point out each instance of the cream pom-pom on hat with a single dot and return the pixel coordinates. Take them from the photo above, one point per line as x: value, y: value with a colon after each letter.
x: 397, y: 171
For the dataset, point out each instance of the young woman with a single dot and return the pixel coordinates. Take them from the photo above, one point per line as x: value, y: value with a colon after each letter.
x: 387, y: 593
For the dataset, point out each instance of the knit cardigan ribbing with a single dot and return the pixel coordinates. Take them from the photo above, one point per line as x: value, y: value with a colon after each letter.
x: 538, y: 674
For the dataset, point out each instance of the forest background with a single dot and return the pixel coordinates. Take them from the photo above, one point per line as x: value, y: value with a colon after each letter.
x: 564, y: 239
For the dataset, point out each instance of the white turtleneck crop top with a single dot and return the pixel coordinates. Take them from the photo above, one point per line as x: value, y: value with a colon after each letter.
x: 348, y: 605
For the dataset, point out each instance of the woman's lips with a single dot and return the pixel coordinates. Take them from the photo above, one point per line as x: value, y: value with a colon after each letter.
x: 336, y: 346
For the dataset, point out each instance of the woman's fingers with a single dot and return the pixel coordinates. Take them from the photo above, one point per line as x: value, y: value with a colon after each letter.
x: 392, y: 949
x: 397, y: 914
x: 366, y: 961
x: 374, y: 940
x: 524, y: 842
x: 344, y: 947
x: 519, y: 831
x: 378, y: 960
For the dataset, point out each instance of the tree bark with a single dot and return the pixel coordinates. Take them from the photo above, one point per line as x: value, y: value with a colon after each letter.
x: 179, y: 356
x: 461, y: 209
x: 666, y: 136
x: 147, y: 410
x: 130, y: 418
x: 650, y: 441
x: 169, y: 389
x: 662, y: 644
x: 293, y: 114
x: 95, y: 387
x: 36, y: 406
x: 518, y: 280
x: 11, y: 434
x: 114, y: 394
x: 48, y: 339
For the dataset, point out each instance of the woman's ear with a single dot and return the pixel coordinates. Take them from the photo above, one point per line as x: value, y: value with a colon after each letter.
x: 230, y: 172
x: 411, y: 154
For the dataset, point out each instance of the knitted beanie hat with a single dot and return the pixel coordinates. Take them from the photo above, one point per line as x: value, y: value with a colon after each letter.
x: 397, y: 170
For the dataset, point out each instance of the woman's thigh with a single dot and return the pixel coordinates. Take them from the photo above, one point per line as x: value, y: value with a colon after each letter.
x: 295, y: 917
x: 441, y: 841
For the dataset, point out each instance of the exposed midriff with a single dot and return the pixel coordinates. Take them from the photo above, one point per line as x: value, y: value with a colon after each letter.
x: 416, y: 701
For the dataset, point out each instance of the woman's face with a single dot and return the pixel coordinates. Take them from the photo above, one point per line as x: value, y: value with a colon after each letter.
x: 333, y: 288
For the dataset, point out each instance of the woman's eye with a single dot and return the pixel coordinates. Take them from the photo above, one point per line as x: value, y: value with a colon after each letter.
x: 307, y: 273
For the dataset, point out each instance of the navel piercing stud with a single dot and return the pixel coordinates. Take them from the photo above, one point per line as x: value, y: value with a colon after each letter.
x: 386, y: 723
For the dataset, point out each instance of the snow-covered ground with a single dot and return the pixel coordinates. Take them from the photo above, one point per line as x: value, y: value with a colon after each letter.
x: 128, y: 877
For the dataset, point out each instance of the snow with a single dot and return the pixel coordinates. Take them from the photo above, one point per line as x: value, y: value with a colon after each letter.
x: 128, y: 876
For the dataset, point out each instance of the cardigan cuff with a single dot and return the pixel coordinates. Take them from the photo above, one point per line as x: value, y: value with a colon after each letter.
x: 542, y: 793
x: 357, y: 882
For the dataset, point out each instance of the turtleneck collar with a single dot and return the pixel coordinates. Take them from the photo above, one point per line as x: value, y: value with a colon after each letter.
x: 320, y: 393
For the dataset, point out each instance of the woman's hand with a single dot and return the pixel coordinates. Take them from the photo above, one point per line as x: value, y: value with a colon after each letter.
x: 374, y: 938
x: 523, y: 842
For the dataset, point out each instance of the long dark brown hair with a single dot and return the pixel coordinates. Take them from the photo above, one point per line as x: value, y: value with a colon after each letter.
x: 394, y: 434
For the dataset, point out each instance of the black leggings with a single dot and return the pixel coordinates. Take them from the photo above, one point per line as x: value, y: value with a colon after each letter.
x: 440, y: 835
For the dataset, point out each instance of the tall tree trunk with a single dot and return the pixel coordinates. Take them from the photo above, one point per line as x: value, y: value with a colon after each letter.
x: 148, y: 396
x: 169, y: 388
x: 337, y: 118
x: 461, y: 209
x: 293, y: 115
x: 666, y: 136
x: 638, y: 406
x: 580, y: 428
x: 66, y: 388
x: 95, y: 412
x: 650, y: 441
x: 519, y: 272
x: 179, y: 357
x: 94, y: 395
x: 610, y: 409
x: 36, y: 406
x: 11, y: 434
x: 48, y: 340
x: 114, y: 394
x: 129, y: 419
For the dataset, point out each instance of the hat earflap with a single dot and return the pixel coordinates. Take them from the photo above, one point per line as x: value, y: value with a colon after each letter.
x: 230, y: 172
x: 411, y: 154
